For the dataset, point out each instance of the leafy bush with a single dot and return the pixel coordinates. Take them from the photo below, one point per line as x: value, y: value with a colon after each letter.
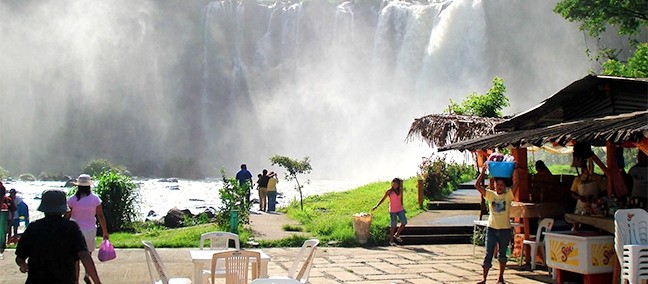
x: 52, y: 177
x: 27, y: 177
x: 119, y: 200
x: 441, y: 178
x: 233, y: 197
x: 182, y: 167
x: 99, y: 166
x: 4, y: 173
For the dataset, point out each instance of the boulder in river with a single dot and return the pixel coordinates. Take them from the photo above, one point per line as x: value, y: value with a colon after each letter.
x: 175, y: 217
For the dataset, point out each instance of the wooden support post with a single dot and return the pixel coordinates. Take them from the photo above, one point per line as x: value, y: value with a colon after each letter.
x: 521, y: 177
x: 419, y: 185
x: 612, y: 165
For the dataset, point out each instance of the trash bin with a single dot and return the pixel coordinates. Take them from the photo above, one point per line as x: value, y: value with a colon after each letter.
x: 4, y: 214
x: 234, y: 221
x: 362, y: 227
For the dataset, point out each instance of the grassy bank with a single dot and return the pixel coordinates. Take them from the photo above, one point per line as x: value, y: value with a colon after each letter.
x: 329, y: 216
x: 168, y: 238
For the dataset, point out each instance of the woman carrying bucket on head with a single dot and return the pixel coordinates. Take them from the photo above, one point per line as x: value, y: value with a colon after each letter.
x: 498, y: 231
x: 396, y: 210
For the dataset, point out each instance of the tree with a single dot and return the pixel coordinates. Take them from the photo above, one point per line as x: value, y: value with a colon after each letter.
x: 596, y: 15
x: 631, y: 18
x: 486, y: 105
x: 635, y: 67
x: 119, y: 200
x: 294, y: 167
x: 99, y: 166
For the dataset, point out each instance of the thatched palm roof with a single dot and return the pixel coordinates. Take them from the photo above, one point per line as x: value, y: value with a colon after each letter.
x: 631, y: 127
x: 441, y: 129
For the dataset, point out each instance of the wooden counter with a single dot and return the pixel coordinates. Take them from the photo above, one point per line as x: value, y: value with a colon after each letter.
x: 600, y: 222
x: 536, y: 210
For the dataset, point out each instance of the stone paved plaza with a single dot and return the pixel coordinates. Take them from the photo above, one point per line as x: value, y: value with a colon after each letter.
x: 404, y: 264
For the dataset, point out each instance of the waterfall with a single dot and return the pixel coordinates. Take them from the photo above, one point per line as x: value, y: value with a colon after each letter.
x: 239, y: 81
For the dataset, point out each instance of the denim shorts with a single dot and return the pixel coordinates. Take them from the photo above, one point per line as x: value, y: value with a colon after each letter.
x: 401, y: 217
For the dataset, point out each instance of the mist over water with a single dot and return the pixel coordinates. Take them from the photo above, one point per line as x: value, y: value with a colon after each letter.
x: 143, y: 82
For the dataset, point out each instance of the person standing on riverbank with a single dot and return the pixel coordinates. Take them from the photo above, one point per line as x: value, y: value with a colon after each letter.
x: 272, y: 191
x: 50, y: 247
x: 263, y: 190
x: 84, y: 206
x: 22, y: 210
x: 244, y: 176
x: 396, y: 210
x: 498, y: 231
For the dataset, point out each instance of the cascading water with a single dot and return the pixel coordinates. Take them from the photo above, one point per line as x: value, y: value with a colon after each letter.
x: 226, y: 82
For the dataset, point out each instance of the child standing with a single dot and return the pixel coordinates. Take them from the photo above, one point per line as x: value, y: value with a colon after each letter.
x: 498, y: 230
x: 396, y: 210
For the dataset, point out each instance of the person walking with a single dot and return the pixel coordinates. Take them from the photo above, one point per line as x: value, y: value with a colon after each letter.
x: 50, y: 248
x: 498, y: 231
x: 84, y: 206
x: 272, y: 191
x: 396, y: 210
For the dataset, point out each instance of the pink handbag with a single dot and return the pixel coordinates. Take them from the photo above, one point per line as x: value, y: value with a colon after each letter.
x: 106, y: 251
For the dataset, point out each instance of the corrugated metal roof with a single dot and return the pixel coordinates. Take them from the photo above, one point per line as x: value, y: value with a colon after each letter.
x: 617, y: 128
x: 592, y: 96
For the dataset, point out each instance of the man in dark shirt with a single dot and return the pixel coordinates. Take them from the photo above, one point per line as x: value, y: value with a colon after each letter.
x: 52, y: 245
x: 244, y: 176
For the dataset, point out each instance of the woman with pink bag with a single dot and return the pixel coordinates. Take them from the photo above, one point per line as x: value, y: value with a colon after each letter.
x: 84, y: 206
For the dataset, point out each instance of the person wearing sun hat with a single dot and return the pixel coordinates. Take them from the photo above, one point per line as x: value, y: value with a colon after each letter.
x: 84, y: 206
x: 53, y: 245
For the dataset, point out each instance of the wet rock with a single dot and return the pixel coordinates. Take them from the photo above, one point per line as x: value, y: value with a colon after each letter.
x: 175, y: 217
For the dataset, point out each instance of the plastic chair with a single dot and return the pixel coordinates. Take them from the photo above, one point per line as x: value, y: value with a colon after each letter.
x: 274, y: 281
x: 154, y: 263
x: 305, y: 258
x: 219, y: 240
x: 538, y: 242
x: 237, y: 264
x: 631, y: 243
x: 477, y: 224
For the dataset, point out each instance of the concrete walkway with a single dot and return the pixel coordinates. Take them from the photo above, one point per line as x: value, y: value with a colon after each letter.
x: 405, y: 264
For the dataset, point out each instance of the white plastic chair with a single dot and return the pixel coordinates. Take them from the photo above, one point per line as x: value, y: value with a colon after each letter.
x: 304, y: 259
x: 154, y: 263
x: 219, y: 240
x: 546, y: 224
x: 631, y: 243
x: 274, y: 281
x: 237, y: 264
x: 477, y: 224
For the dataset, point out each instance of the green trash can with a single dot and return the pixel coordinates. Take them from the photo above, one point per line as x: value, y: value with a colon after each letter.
x: 234, y: 221
x: 4, y: 215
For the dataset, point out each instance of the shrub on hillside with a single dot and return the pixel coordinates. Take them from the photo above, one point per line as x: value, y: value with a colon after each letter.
x: 182, y: 167
x: 99, y: 166
x: 4, y: 173
x: 27, y: 177
x: 440, y: 178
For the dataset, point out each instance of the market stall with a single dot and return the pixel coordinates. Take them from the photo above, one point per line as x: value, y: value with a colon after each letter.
x: 598, y: 111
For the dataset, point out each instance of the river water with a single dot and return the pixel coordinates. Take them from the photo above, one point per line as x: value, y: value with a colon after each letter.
x: 195, y: 195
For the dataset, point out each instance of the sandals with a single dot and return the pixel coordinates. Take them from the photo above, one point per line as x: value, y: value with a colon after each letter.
x: 398, y: 238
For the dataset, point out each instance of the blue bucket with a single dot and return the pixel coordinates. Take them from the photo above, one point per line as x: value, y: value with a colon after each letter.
x: 501, y: 169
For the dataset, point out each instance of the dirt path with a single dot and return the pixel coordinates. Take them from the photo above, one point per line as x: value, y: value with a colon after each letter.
x: 269, y: 226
